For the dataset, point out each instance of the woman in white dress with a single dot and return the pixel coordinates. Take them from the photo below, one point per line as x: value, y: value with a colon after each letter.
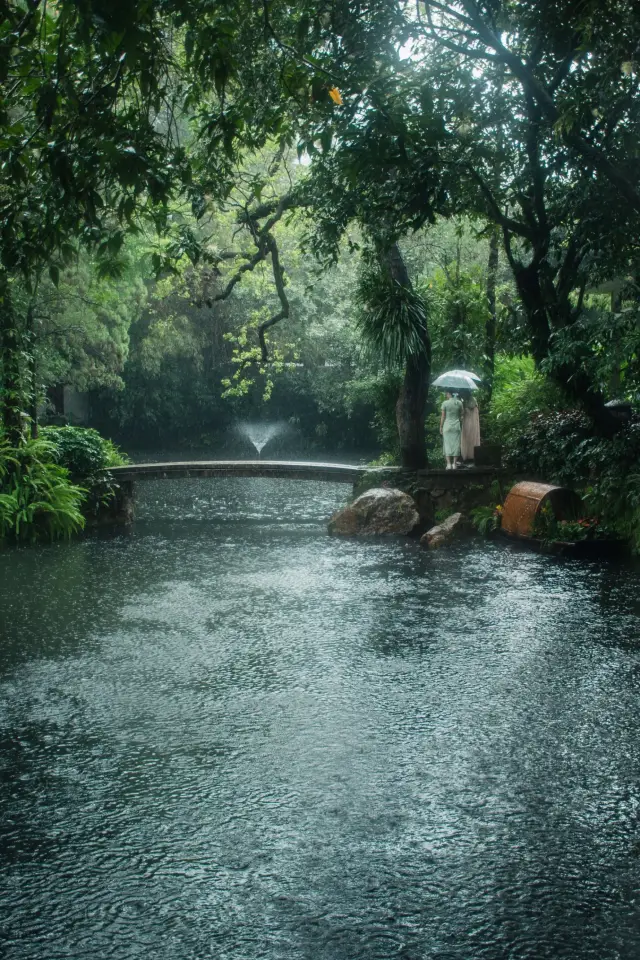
x: 451, y: 429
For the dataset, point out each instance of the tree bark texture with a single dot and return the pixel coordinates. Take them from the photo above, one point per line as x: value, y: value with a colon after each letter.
x: 410, y: 413
x: 491, y: 325
x: 412, y: 401
x: 545, y: 314
x: 10, y: 350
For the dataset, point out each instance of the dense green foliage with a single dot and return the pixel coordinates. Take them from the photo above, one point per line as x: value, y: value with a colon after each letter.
x: 544, y: 438
x: 37, y: 499
x: 216, y: 212
x: 82, y: 451
x: 560, y: 447
x: 86, y: 457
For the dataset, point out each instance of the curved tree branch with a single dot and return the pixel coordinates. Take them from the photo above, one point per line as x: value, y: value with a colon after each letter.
x: 547, y: 105
x: 283, y: 313
x: 245, y: 268
x: 266, y: 244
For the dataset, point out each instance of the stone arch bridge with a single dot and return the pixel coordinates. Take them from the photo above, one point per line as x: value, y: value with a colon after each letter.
x: 439, y: 487
x: 276, y: 469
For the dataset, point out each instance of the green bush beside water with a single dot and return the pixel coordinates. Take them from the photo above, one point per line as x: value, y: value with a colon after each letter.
x: 83, y: 451
x: 49, y: 485
x: 38, y: 501
x: 87, y: 456
x: 544, y: 438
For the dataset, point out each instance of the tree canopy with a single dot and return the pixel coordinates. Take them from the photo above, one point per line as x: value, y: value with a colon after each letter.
x: 206, y: 126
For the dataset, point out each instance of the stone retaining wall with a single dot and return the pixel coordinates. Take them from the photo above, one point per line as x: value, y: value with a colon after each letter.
x: 434, y: 490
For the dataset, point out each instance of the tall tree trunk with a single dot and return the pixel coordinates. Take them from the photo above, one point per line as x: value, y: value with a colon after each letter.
x: 412, y: 401
x: 410, y: 413
x: 33, y: 371
x: 492, y: 318
x: 542, y: 318
x: 10, y: 349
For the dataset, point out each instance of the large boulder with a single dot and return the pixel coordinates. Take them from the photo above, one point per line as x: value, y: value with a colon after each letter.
x: 448, y: 530
x: 378, y: 511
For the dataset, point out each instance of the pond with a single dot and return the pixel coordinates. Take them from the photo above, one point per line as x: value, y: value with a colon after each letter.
x: 225, y: 734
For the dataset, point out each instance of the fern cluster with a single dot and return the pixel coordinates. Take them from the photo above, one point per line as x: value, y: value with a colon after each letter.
x: 37, y: 499
x: 487, y: 520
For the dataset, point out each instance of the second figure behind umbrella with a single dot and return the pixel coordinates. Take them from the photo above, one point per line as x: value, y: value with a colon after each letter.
x: 470, y: 438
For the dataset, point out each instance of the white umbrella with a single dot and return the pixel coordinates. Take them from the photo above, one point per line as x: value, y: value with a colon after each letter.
x: 457, y: 380
x: 463, y: 373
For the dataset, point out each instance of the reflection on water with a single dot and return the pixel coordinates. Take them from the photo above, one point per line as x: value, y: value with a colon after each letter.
x: 227, y: 735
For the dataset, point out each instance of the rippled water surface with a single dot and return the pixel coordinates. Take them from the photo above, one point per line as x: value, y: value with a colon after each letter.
x: 225, y: 734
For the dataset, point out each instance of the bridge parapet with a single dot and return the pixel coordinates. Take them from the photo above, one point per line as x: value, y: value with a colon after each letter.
x: 277, y: 469
x: 432, y: 489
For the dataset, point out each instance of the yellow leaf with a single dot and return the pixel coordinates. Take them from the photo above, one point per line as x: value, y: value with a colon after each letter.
x: 334, y: 93
x: 626, y: 67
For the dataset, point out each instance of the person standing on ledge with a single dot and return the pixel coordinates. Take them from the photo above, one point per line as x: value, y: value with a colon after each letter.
x: 451, y: 429
x: 470, y: 426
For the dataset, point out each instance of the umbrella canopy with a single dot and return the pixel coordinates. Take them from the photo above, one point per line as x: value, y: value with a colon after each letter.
x: 463, y: 373
x: 457, y: 380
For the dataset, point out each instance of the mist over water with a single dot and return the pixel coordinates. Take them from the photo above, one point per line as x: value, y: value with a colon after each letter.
x: 225, y: 734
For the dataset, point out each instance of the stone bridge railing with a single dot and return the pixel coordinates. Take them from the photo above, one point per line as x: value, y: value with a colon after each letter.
x: 431, y: 488
x: 277, y: 469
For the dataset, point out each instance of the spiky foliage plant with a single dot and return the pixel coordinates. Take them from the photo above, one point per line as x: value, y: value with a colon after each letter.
x: 392, y: 319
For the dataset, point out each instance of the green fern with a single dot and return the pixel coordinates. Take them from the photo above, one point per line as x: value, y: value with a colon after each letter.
x: 487, y: 520
x: 37, y: 500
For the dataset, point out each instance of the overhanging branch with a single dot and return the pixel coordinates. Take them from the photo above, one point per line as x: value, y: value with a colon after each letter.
x: 266, y: 245
x: 283, y: 313
x: 507, y: 223
x: 251, y: 264
x: 548, y: 107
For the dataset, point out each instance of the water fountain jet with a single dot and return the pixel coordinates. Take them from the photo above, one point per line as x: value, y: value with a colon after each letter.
x: 259, y: 434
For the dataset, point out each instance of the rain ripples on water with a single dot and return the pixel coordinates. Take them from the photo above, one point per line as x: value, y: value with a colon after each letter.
x: 224, y: 734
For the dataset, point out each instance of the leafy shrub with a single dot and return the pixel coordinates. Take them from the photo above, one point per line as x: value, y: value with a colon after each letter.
x: 37, y: 499
x: 486, y: 520
x: 520, y: 394
x: 384, y: 460
x: 87, y: 456
x: 613, y: 491
x: 8, y: 509
x: 83, y: 451
x: 553, y: 446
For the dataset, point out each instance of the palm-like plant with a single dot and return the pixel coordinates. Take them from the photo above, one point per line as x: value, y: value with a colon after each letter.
x: 392, y: 318
x: 393, y: 323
